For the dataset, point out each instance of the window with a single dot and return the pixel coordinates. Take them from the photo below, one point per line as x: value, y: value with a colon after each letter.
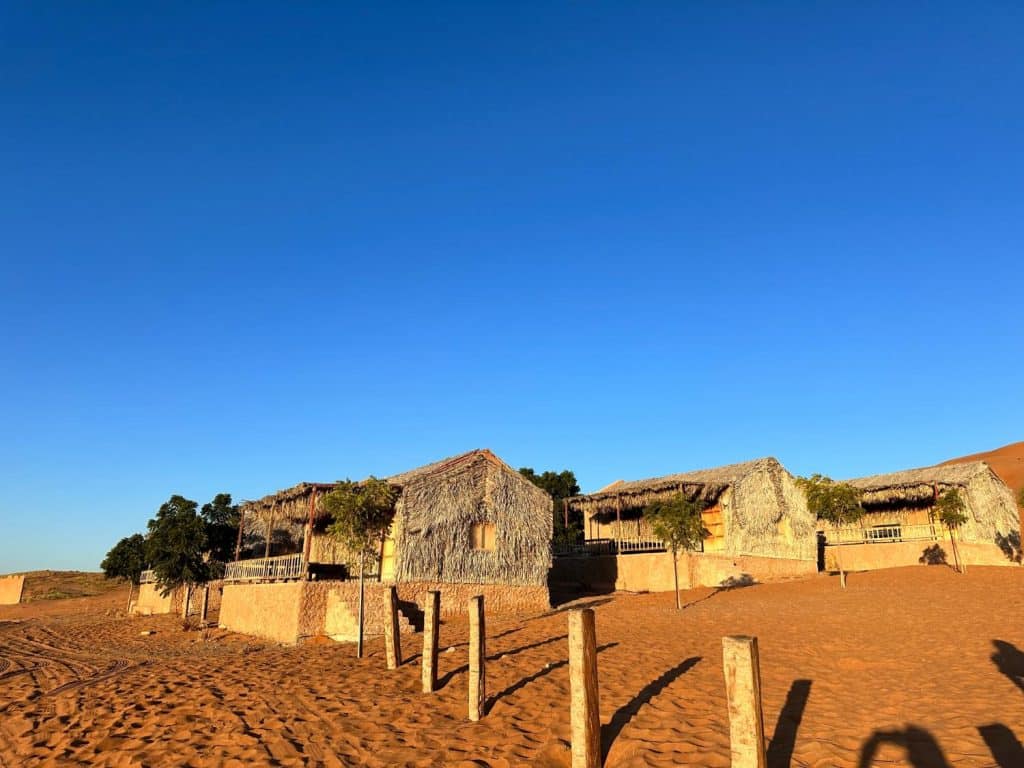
x: 481, y: 537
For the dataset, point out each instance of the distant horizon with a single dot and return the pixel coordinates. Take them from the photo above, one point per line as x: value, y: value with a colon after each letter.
x: 247, y: 246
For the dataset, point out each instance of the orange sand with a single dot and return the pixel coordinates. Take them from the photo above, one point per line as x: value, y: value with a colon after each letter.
x: 901, y: 661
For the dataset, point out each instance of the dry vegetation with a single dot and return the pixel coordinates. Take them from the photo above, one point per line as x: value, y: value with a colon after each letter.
x: 58, y: 585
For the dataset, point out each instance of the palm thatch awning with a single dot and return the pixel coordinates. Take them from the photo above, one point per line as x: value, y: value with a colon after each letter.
x: 919, y: 485
x: 706, y: 484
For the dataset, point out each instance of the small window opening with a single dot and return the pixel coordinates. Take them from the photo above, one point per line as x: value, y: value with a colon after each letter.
x: 481, y: 537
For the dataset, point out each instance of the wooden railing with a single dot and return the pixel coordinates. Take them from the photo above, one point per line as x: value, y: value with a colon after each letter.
x: 883, y: 534
x: 620, y: 546
x: 266, y: 569
x: 147, y: 577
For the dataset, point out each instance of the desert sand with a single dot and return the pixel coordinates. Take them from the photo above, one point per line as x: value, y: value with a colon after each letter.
x: 914, y: 666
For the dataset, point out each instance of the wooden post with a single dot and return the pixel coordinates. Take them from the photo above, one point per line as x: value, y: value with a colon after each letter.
x: 583, y: 690
x: 431, y: 632
x: 392, y: 643
x: 307, y: 543
x: 477, y: 661
x: 131, y: 586
x: 204, y: 604
x: 743, y: 690
x: 842, y: 579
x: 238, y: 541
x: 184, y: 606
x: 618, y: 517
x: 362, y: 597
x: 270, y: 530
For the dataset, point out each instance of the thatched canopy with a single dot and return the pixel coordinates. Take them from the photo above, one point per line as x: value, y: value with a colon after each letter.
x: 990, y: 504
x: 437, y: 507
x: 706, y: 484
x: 763, y: 512
x: 441, y: 502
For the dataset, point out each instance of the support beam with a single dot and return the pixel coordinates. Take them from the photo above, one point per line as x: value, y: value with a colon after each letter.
x: 743, y: 690
x: 431, y: 634
x: 392, y: 642
x: 308, y: 538
x: 583, y: 690
x: 477, y: 658
x: 238, y: 541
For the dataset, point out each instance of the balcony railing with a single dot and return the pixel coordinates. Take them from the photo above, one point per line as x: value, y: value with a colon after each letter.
x: 609, y: 546
x: 147, y: 577
x: 266, y: 569
x: 883, y: 534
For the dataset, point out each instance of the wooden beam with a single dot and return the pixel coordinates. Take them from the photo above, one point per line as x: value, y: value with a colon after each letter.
x: 431, y: 633
x: 477, y: 658
x: 743, y: 691
x: 585, y: 713
x: 392, y: 640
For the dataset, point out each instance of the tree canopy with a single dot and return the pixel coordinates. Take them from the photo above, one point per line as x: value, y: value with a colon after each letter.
x: 951, y: 509
x: 221, y: 519
x: 176, y: 545
x: 361, y: 514
x: 836, y: 503
x: 126, y: 559
x: 559, y: 485
x: 677, y: 522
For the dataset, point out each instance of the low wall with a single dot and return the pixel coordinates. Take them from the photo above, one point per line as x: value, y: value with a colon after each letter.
x: 270, y: 611
x: 652, y: 571
x: 498, y: 598
x: 290, y: 612
x: 150, y: 601
x: 11, y: 588
x: 872, y: 557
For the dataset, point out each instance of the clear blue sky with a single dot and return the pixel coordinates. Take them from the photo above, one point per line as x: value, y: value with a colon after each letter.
x: 244, y: 246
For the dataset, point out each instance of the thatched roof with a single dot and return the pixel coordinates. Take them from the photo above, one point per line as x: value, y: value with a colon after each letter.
x: 293, y: 503
x: 923, y: 484
x: 707, y: 484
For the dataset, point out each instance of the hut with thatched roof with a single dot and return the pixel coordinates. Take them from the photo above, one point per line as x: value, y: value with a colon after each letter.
x: 466, y: 525
x: 757, y: 519
x: 900, y: 513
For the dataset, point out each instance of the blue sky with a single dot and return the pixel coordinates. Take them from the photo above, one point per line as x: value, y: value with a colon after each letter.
x: 246, y: 245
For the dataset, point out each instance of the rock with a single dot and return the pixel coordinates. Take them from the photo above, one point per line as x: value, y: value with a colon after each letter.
x: 147, y: 632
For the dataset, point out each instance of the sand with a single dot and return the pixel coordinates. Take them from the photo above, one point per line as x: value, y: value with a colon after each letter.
x: 914, y: 666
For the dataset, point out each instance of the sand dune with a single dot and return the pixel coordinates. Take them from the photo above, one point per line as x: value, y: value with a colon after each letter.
x: 1007, y: 462
x: 913, y: 666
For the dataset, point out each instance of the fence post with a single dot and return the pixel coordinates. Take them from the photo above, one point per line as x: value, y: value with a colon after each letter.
x: 431, y: 630
x: 477, y: 660
x: 392, y: 643
x: 743, y: 690
x: 583, y: 690
x: 205, y: 602
x: 184, y: 606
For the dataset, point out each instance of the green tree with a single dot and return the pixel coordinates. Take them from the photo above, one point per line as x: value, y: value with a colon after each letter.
x: 677, y: 522
x: 221, y: 519
x: 361, y: 515
x: 559, y: 485
x: 952, y: 513
x: 126, y: 560
x: 835, y: 503
x: 176, y: 545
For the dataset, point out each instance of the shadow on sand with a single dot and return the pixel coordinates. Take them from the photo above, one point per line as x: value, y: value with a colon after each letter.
x: 546, y: 670
x: 780, y: 749
x: 922, y: 750
x: 1010, y: 661
x: 626, y: 713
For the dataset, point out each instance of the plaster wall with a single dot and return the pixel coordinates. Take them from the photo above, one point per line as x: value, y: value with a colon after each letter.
x: 11, y: 588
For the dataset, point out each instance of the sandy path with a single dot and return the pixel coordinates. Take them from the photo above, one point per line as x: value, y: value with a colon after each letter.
x: 913, y: 666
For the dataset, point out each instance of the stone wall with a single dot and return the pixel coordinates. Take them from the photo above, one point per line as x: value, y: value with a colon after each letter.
x: 498, y: 598
x: 871, y: 557
x: 11, y: 588
x: 652, y: 572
